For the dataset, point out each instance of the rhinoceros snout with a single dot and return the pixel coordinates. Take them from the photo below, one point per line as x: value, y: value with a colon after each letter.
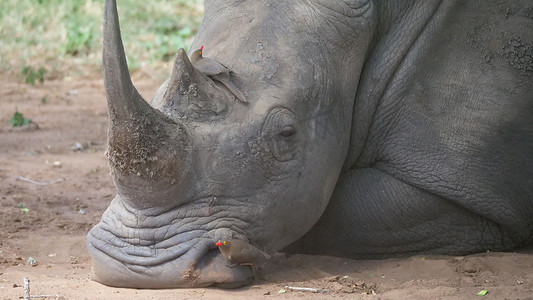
x: 186, y: 271
x: 141, y: 249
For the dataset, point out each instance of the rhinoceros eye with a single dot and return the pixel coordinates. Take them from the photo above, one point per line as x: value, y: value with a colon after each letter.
x: 281, y: 134
x: 288, y: 131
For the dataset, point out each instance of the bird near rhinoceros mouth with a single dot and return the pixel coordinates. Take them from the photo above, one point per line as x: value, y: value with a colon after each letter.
x: 241, y: 253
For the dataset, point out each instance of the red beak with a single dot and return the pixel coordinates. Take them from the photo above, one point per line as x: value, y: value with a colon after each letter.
x: 202, y: 48
x: 218, y: 243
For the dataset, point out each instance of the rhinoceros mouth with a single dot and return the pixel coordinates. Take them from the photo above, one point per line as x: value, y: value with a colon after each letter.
x: 134, y: 248
x: 147, y: 253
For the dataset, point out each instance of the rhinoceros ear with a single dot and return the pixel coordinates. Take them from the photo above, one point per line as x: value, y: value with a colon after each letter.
x: 192, y: 94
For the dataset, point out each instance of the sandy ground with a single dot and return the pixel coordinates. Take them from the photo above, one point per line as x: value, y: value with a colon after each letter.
x: 72, y: 187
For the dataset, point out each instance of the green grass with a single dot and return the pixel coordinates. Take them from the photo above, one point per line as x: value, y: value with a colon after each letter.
x: 65, y: 36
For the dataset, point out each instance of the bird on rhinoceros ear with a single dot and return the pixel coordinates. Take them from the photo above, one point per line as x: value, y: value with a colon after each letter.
x: 215, y: 71
x: 241, y: 252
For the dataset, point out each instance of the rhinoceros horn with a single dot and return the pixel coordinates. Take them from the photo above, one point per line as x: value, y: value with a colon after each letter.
x: 123, y: 98
x: 147, y: 150
x: 190, y: 93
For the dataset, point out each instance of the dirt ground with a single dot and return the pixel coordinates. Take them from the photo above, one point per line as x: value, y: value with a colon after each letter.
x: 60, y: 174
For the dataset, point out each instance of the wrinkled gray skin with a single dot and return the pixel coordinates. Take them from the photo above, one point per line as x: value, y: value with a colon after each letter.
x: 373, y: 128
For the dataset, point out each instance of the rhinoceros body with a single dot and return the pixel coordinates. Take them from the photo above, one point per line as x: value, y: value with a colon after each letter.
x: 372, y: 128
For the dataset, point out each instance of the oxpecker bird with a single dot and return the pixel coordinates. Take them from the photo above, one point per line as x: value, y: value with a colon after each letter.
x: 215, y: 71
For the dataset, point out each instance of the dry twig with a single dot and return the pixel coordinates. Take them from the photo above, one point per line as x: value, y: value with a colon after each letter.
x: 40, y: 183
x: 26, y: 288
x: 306, y: 289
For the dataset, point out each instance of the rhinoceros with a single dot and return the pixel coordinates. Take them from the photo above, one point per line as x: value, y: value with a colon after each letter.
x: 371, y: 129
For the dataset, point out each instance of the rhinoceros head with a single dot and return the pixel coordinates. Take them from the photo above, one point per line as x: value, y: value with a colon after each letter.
x: 196, y: 165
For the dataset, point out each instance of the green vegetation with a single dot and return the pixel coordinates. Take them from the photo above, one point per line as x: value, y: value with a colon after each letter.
x: 18, y: 120
x: 30, y: 74
x: 23, y: 208
x: 65, y: 36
